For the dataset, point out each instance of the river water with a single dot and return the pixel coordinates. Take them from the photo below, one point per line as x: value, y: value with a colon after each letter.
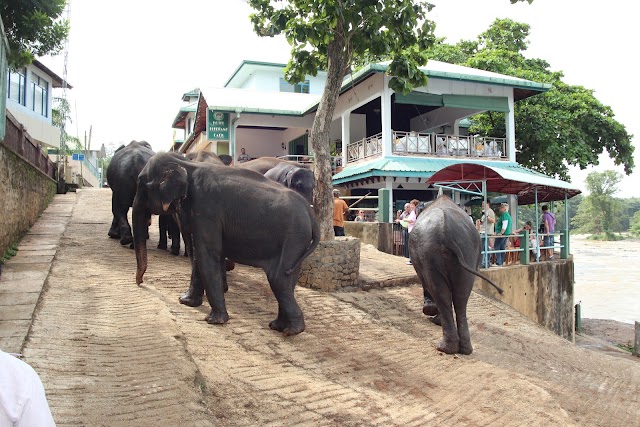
x: 607, y: 276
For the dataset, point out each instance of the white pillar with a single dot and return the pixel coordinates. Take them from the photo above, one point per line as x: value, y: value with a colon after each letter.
x: 385, y: 117
x: 511, y: 130
x: 389, y: 186
x: 346, y: 135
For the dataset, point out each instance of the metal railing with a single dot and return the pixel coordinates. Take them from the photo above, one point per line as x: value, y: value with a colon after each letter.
x: 429, y: 144
x: 20, y: 142
x: 524, y: 249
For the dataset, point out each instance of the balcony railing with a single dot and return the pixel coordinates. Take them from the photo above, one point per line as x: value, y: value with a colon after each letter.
x: 429, y: 144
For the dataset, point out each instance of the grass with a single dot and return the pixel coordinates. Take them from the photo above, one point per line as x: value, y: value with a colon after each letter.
x: 9, y: 253
x: 608, y: 236
x: 626, y: 347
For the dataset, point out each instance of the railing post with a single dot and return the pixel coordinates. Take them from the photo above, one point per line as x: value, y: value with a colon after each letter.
x: 384, y: 205
x: 564, y: 241
x: 524, y: 245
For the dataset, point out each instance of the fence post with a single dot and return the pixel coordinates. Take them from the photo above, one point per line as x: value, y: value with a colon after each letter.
x: 384, y: 206
x: 636, y: 345
x: 564, y: 241
x: 524, y: 245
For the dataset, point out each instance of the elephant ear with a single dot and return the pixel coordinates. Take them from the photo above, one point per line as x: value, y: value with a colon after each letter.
x: 173, y: 185
x: 289, y: 177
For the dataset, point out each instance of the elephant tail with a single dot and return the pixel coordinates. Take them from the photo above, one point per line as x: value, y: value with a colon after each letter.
x: 315, y: 239
x: 475, y: 272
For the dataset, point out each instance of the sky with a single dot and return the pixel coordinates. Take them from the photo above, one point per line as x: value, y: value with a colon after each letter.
x: 130, y: 62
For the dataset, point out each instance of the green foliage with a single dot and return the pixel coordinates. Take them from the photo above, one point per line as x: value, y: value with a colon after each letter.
x: 634, y: 227
x: 9, y: 253
x: 61, y: 114
x: 600, y: 212
x: 565, y: 126
x: 34, y: 28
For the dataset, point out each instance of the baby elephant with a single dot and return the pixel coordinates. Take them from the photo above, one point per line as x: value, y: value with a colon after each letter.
x: 444, y: 246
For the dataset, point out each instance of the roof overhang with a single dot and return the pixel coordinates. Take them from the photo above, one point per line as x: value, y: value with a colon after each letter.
x: 508, y: 178
x: 57, y: 80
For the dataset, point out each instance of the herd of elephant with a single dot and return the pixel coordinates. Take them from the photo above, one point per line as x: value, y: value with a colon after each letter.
x: 259, y: 213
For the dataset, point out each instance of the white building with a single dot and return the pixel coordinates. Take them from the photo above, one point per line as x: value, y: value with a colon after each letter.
x: 381, y: 139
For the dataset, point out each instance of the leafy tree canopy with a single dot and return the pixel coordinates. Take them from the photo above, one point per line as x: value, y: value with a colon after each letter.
x: 566, y: 125
x: 600, y: 211
x: 33, y: 28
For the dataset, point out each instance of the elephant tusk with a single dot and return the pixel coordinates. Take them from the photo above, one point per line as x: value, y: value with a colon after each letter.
x: 165, y: 206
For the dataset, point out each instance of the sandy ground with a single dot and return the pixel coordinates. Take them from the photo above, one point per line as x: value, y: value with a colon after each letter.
x: 111, y: 353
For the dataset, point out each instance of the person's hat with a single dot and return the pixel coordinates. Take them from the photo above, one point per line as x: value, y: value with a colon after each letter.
x: 336, y: 191
x: 506, y: 205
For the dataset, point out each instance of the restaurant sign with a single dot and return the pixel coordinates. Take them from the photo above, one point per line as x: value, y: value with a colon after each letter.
x: 217, y: 126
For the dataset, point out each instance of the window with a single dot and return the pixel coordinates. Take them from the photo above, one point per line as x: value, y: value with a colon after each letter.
x: 17, y: 86
x: 40, y: 91
x: 297, y: 88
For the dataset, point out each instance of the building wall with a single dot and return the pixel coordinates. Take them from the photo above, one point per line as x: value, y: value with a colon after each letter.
x: 38, y: 126
x: 25, y: 191
x: 270, y: 81
x: 260, y: 142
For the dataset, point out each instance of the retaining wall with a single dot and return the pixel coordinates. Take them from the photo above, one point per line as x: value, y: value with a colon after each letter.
x: 333, y: 265
x: 25, y: 192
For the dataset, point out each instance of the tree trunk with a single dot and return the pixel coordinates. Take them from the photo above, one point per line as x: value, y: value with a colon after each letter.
x: 322, y: 193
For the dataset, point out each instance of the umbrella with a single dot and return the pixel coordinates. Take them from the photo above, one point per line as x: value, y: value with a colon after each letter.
x: 474, y: 201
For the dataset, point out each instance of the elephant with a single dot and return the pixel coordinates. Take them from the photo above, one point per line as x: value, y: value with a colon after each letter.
x: 168, y: 226
x: 122, y: 175
x: 276, y: 234
x: 445, y: 252
x: 290, y: 174
x: 204, y: 156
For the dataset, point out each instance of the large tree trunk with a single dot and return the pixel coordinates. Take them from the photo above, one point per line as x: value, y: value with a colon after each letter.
x: 322, y: 196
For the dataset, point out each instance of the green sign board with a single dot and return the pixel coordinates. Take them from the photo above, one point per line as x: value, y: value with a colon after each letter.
x: 217, y: 126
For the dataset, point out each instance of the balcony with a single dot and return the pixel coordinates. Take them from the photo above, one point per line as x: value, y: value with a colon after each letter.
x: 430, y: 145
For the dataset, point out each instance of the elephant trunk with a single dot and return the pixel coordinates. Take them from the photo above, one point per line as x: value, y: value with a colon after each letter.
x: 141, y: 218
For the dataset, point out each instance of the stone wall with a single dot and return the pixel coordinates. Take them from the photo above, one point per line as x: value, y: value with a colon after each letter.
x: 333, y: 265
x: 541, y: 291
x: 378, y: 234
x: 25, y: 192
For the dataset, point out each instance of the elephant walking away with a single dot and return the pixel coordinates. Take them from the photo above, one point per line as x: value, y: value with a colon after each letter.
x: 445, y: 252
x: 276, y: 234
x: 290, y: 174
x: 122, y: 175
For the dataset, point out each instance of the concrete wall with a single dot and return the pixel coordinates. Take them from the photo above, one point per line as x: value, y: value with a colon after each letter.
x: 378, y: 234
x: 541, y: 291
x: 25, y: 192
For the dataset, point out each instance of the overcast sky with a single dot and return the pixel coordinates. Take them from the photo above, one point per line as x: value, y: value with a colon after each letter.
x: 129, y: 62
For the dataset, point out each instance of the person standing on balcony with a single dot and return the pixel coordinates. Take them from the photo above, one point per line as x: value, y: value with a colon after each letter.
x: 243, y: 157
x: 340, y: 208
x: 503, y: 228
x: 549, y: 221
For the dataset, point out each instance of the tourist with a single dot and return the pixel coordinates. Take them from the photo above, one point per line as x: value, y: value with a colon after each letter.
x: 340, y: 208
x: 243, y: 157
x: 549, y: 222
x: 502, y: 228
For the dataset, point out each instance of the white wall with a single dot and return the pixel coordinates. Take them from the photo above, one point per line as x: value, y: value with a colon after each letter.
x: 259, y: 142
x: 270, y: 81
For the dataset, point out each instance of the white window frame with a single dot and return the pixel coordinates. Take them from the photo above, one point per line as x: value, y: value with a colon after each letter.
x: 42, y: 94
x: 21, y: 76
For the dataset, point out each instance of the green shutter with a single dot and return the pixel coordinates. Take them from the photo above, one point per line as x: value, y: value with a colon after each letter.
x: 420, y: 98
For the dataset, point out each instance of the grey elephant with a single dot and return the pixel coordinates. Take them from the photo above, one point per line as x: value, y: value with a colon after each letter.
x: 445, y: 252
x: 276, y: 234
x: 122, y: 174
x: 290, y: 174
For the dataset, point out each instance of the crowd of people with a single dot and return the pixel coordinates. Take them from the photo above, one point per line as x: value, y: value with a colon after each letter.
x: 496, y: 230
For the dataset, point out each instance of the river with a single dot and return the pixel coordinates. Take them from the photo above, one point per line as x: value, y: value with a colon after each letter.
x: 607, y: 276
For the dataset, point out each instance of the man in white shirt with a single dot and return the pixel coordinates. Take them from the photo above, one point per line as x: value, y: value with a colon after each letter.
x: 22, y: 399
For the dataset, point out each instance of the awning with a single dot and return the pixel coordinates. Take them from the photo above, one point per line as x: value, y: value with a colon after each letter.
x: 508, y: 178
x: 484, y: 103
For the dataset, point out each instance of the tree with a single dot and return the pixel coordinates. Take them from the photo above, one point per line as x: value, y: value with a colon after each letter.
x: 60, y: 115
x: 33, y: 28
x: 635, y: 224
x: 335, y: 35
x: 600, y: 211
x: 566, y: 125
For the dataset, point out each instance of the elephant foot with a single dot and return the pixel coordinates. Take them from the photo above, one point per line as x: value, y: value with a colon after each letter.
x: 436, y: 319
x: 175, y: 251
x: 287, y: 329
x: 162, y: 245
x: 229, y: 265
x: 448, y: 347
x: 465, y: 348
x: 217, y: 318
x: 126, y: 240
x: 114, y: 234
x: 186, y: 253
x: 429, y: 308
x: 190, y: 300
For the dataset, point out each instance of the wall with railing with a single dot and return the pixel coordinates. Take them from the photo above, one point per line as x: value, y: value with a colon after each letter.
x: 19, y: 141
x: 429, y: 144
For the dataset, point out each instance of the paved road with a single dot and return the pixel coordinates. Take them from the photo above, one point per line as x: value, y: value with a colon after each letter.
x: 111, y: 353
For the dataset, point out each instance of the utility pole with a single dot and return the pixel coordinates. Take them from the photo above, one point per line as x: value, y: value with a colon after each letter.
x: 62, y: 170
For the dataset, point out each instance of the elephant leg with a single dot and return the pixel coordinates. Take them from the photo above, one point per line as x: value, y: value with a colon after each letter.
x: 450, y: 340
x: 163, y: 226
x: 126, y: 237
x: 212, y: 275
x: 460, y: 299
x: 290, y: 320
x: 114, y: 231
x: 174, y: 233
x: 428, y: 306
x: 193, y: 297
